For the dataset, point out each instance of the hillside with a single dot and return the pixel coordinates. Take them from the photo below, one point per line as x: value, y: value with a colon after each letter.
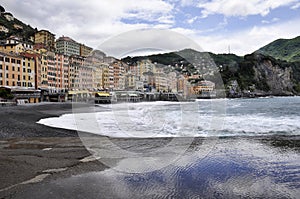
x: 284, y: 49
x: 15, y: 27
x: 255, y: 72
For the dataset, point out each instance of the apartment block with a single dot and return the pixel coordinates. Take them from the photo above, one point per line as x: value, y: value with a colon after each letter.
x: 75, y: 62
x: 46, y: 38
x: 17, y: 70
x: 85, y: 50
x: 67, y: 46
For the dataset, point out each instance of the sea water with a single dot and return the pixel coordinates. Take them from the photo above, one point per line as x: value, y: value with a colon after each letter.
x: 203, y: 118
x: 240, y: 148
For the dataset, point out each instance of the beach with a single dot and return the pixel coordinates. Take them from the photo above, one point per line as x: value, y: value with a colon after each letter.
x: 43, y: 162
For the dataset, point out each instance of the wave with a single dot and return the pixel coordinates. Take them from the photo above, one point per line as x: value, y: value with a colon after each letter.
x: 165, y: 119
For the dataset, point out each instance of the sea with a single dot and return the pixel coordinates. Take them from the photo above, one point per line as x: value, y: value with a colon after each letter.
x: 218, y: 148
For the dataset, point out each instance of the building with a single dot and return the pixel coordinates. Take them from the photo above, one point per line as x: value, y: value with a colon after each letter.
x: 10, y: 70
x: 29, y: 62
x: 42, y: 71
x: 18, y: 27
x: 67, y: 46
x: 75, y: 62
x: 105, y: 76
x: 203, y: 88
x: 145, y: 66
x: 46, y: 38
x: 130, y: 81
x: 85, y: 76
x: 17, y: 71
x: 15, y: 45
x: 3, y: 29
x: 161, y: 82
x: 85, y: 50
x: 8, y: 16
x: 23, y: 95
x: 58, y: 72
x: 118, y: 75
x: 172, y: 82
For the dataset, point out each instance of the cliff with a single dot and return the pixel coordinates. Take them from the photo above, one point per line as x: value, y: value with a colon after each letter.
x: 271, y: 77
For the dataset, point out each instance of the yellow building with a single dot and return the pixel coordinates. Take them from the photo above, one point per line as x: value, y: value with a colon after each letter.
x: 105, y: 77
x: 145, y: 66
x: 13, y: 45
x: 85, y: 50
x: 17, y: 70
x: 42, y: 71
x: 46, y: 38
x: 11, y: 73
x: 28, y: 70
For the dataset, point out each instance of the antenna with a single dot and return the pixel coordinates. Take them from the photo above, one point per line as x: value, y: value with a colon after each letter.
x: 228, y: 49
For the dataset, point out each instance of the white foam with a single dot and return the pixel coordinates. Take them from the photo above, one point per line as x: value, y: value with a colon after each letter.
x: 159, y: 119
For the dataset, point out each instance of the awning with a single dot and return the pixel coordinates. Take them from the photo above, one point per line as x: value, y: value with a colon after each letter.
x: 133, y: 95
x: 103, y: 94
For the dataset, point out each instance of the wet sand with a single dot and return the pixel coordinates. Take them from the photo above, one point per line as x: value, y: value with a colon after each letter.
x: 42, y: 162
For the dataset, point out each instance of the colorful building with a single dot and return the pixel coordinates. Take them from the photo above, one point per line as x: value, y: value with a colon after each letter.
x: 46, y: 38
x: 67, y: 46
x: 85, y: 50
x: 15, y: 45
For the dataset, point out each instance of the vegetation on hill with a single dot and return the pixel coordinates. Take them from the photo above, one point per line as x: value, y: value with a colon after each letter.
x: 252, y: 72
x: 284, y: 49
x: 24, y: 33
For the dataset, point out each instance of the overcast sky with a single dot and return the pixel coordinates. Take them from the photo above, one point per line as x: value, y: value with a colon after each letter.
x: 215, y: 25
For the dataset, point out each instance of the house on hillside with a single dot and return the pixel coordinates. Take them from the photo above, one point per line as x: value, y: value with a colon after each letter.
x: 8, y: 16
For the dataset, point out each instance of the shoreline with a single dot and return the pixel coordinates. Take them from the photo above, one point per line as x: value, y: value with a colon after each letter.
x: 34, y: 157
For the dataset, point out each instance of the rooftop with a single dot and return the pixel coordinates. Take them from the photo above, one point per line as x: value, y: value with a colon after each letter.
x: 63, y: 38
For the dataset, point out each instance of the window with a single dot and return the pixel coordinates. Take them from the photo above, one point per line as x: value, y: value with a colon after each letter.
x: 0, y: 66
x: 13, y: 68
x: 6, y: 75
x: 6, y: 67
x: 6, y: 59
x: 0, y: 74
x: 1, y: 82
x: 13, y: 61
x: 19, y: 78
x: 28, y: 64
x: 18, y: 61
x: 13, y: 76
x: 29, y: 70
x: 1, y: 58
x: 24, y: 70
x: 7, y: 83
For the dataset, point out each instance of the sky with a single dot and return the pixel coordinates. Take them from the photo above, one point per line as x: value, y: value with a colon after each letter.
x: 218, y: 26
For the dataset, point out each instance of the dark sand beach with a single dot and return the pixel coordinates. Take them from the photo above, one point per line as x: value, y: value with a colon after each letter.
x: 37, y: 161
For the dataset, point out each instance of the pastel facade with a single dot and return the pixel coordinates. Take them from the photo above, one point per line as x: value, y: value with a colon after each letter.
x: 17, y: 71
x: 46, y: 38
x: 67, y: 46
x: 85, y: 50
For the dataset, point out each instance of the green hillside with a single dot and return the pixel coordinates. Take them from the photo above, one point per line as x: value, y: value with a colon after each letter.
x: 25, y: 32
x: 284, y: 49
